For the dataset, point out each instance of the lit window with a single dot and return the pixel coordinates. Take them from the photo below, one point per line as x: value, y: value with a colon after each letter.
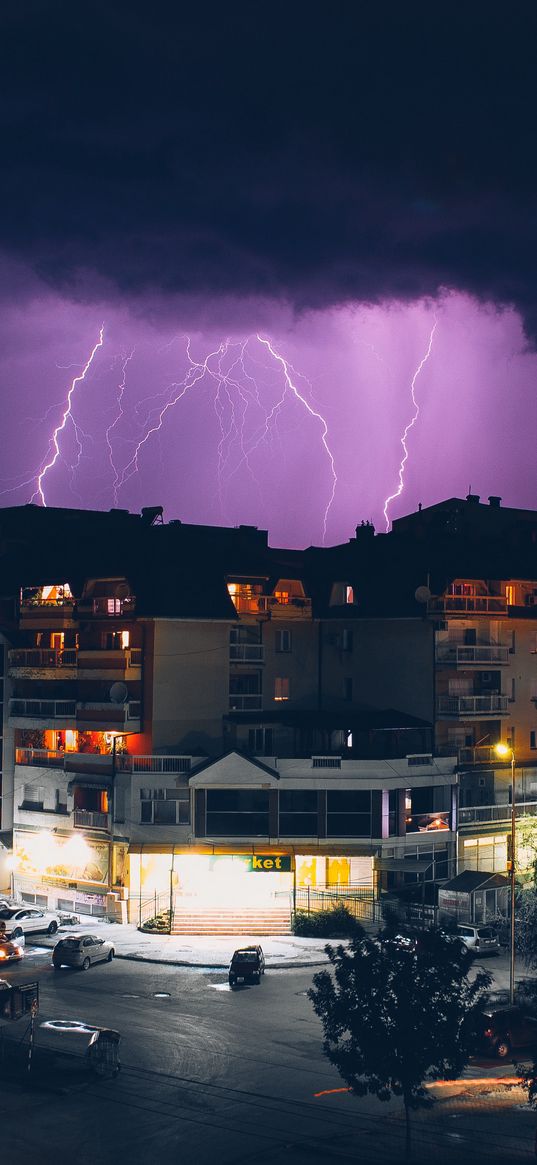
x: 349, y: 594
x: 282, y: 597
x: 125, y: 638
x: 510, y: 595
x: 281, y: 688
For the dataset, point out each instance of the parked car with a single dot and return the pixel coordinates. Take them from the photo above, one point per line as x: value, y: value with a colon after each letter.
x: 81, y: 950
x: 248, y: 965
x: 505, y: 1028
x: 10, y: 952
x: 480, y: 940
x: 28, y: 920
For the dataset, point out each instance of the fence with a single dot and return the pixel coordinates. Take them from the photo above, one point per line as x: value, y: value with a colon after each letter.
x: 358, y: 900
x: 147, y: 908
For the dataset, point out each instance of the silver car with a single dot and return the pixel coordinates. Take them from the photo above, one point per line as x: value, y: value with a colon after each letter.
x: 81, y: 950
x: 480, y: 940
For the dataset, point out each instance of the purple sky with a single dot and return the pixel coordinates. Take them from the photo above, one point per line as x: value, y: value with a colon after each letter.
x: 231, y: 450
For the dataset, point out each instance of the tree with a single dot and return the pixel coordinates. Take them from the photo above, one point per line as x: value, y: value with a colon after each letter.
x: 397, y: 1012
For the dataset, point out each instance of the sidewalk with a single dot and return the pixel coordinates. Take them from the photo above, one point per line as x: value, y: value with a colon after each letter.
x: 196, y: 950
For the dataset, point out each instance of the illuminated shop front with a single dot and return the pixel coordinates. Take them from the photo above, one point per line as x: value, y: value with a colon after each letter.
x: 69, y: 872
x: 253, y: 879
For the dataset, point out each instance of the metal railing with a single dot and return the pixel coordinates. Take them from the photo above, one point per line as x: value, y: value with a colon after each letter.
x: 125, y: 763
x: 149, y: 907
x: 462, y: 655
x: 359, y: 901
x: 483, y: 813
x: 246, y: 652
x: 243, y: 703
x: 43, y: 657
x: 93, y: 711
x: 91, y: 819
x: 43, y: 709
x: 477, y: 754
x: 267, y: 604
x: 467, y: 604
x: 472, y: 705
x: 44, y: 758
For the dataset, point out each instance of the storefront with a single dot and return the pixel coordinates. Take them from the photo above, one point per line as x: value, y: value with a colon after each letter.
x: 66, y: 872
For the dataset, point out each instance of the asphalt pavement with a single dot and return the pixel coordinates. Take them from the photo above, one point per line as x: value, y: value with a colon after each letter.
x: 212, y: 1074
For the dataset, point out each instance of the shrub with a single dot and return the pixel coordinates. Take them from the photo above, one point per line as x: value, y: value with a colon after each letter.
x: 337, y: 922
x: 160, y: 924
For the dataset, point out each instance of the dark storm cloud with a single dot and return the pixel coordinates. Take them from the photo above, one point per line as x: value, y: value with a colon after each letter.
x: 311, y: 153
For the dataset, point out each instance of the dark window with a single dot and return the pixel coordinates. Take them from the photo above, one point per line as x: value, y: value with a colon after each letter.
x: 260, y: 741
x: 348, y: 813
x: 347, y: 688
x: 164, y: 812
x: 346, y: 639
x: 532, y: 740
x: 393, y: 823
x: 283, y: 640
x: 298, y: 813
x: 237, y: 812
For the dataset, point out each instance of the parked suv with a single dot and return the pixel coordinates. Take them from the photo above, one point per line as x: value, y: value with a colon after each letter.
x: 505, y: 1028
x: 480, y: 940
x: 248, y: 965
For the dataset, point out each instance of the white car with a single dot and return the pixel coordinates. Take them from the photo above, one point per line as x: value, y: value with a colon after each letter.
x: 479, y: 940
x: 28, y: 920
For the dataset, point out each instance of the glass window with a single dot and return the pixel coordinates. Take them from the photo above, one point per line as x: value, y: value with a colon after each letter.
x: 348, y: 813
x: 283, y: 639
x: 281, y: 688
x: 237, y: 812
x: 164, y: 813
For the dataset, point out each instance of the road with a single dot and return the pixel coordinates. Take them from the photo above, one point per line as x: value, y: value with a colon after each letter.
x: 210, y: 1074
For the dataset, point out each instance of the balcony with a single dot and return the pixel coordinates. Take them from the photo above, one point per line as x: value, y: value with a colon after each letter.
x: 246, y: 653
x: 105, y: 715
x: 478, y: 754
x: 467, y: 605
x: 43, y: 758
x: 108, y: 607
x: 126, y: 763
x: 90, y: 819
x: 466, y: 707
x: 57, y: 710
x: 483, y: 814
x: 115, y: 663
x: 250, y: 702
x: 25, y: 662
x: 476, y: 655
x: 295, y: 607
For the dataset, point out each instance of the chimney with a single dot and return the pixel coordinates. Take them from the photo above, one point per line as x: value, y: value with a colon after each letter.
x: 472, y: 499
x: 365, y: 532
x: 495, y: 502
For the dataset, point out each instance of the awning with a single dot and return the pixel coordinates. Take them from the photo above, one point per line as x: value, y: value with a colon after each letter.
x: 89, y: 782
x: 401, y: 866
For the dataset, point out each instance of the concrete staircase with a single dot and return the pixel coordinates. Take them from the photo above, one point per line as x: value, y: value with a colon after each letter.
x: 227, y: 920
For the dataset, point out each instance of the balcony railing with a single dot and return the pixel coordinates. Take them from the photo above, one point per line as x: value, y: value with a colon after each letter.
x: 36, y: 600
x: 43, y: 709
x: 464, y: 706
x: 125, y: 763
x: 38, y: 657
x: 467, y: 605
x: 295, y: 606
x: 246, y: 703
x: 477, y: 754
x: 246, y: 652
x: 90, y: 819
x: 474, y: 656
x: 104, y: 710
x: 44, y: 758
x: 491, y: 813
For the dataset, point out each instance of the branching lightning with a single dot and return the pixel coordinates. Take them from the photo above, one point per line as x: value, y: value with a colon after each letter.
x: 108, y: 435
x: 54, y: 453
x: 409, y: 426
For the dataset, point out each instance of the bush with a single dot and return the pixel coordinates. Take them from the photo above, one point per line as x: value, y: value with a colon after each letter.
x: 160, y: 924
x: 337, y: 922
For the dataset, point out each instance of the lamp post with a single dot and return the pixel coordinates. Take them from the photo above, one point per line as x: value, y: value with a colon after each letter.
x: 504, y: 750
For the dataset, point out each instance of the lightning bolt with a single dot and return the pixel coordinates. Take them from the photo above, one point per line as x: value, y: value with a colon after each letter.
x: 54, y: 443
x: 288, y: 372
x: 410, y: 426
x: 108, y: 435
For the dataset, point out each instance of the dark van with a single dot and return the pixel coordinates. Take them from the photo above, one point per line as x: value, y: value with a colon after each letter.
x: 247, y: 966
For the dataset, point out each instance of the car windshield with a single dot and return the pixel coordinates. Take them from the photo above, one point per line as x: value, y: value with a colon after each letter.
x: 7, y: 913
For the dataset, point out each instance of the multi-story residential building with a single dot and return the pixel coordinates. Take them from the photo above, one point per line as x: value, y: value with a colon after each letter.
x: 177, y: 692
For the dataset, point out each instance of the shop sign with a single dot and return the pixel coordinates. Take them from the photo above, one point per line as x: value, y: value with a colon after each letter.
x: 270, y: 862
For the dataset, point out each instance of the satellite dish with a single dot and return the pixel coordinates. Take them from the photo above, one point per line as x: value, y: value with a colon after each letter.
x: 122, y: 590
x: 118, y: 693
x: 422, y: 595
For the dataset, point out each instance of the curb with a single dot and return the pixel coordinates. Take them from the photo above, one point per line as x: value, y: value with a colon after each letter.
x: 287, y: 966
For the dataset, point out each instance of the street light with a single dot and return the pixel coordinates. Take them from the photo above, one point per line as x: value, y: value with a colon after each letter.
x: 506, y: 750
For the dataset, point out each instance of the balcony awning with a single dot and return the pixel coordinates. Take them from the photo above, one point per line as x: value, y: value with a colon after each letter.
x: 89, y: 781
x: 401, y: 866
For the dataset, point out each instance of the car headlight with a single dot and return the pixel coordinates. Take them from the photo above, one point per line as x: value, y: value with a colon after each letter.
x: 3, y: 955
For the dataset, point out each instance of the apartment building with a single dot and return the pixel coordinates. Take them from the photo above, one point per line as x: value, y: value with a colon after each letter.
x: 174, y: 694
